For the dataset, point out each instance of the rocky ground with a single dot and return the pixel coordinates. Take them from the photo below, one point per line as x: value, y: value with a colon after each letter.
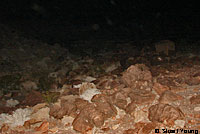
x: 118, y: 89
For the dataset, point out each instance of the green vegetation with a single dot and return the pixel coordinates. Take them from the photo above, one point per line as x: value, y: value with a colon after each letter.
x: 50, y: 97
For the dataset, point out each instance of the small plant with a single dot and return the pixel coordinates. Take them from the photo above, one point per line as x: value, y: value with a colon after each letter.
x: 50, y: 97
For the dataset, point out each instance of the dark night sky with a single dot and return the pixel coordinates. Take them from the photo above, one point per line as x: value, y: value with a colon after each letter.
x: 90, y: 9
x: 151, y: 15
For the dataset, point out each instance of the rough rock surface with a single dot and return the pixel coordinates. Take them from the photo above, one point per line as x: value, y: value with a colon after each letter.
x: 164, y: 112
x: 138, y: 76
x: 132, y: 91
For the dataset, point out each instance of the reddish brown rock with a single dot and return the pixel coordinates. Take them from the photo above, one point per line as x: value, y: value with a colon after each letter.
x: 159, y: 88
x: 107, y: 109
x: 43, y: 128
x: 130, y: 131
x: 136, y: 73
x: 88, y: 117
x: 96, y: 116
x: 195, y: 99
x: 53, y: 111
x: 138, y: 126
x: 142, y: 128
x: 82, y: 124
x: 177, y: 89
x: 130, y: 109
x: 81, y: 103
x: 5, y: 109
x: 33, y: 98
x: 193, y: 81
x: 196, y: 74
x: 108, y: 82
x: 56, y: 112
x: 169, y: 97
x: 104, y: 104
x: 71, y: 91
x: 162, y: 112
x: 119, y: 99
x: 67, y: 107
x: 126, y: 91
x: 142, y: 85
x: 148, y: 128
x: 4, y: 129
x: 142, y: 96
x: 168, y: 81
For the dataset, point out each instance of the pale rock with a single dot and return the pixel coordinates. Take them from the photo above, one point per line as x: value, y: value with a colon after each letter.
x: 86, y: 86
x: 140, y: 116
x: 17, y: 118
x: 179, y: 123
x: 67, y: 120
x: 11, y: 103
x: 89, y: 79
x: 88, y: 94
x: 38, y: 107
x: 197, y: 109
x: 41, y: 114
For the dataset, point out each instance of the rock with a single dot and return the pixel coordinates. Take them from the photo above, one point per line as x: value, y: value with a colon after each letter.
x: 88, y: 94
x: 193, y: 81
x: 197, y: 109
x: 130, y: 109
x: 11, y: 103
x: 195, y: 99
x: 147, y: 128
x: 43, y: 128
x: 96, y: 116
x: 41, y: 114
x: 38, y: 107
x: 80, y: 103
x: 164, y: 112
x: 130, y: 131
x: 67, y: 120
x: 141, y: 128
x: 82, y: 125
x: 109, y: 82
x: 67, y: 107
x: 119, y: 99
x: 33, y: 98
x: 169, y: 97
x: 160, y: 88
x: 140, y: 116
x: 107, y: 109
x: 142, y: 96
x: 86, y: 86
x: 140, y: 72
x: 135, y: 73
x: 104, y: 105
x: 70, y: 91
x: 85, y: 122
x: 179, y: 123
x: 126, y: 91
x: 54, y: 109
